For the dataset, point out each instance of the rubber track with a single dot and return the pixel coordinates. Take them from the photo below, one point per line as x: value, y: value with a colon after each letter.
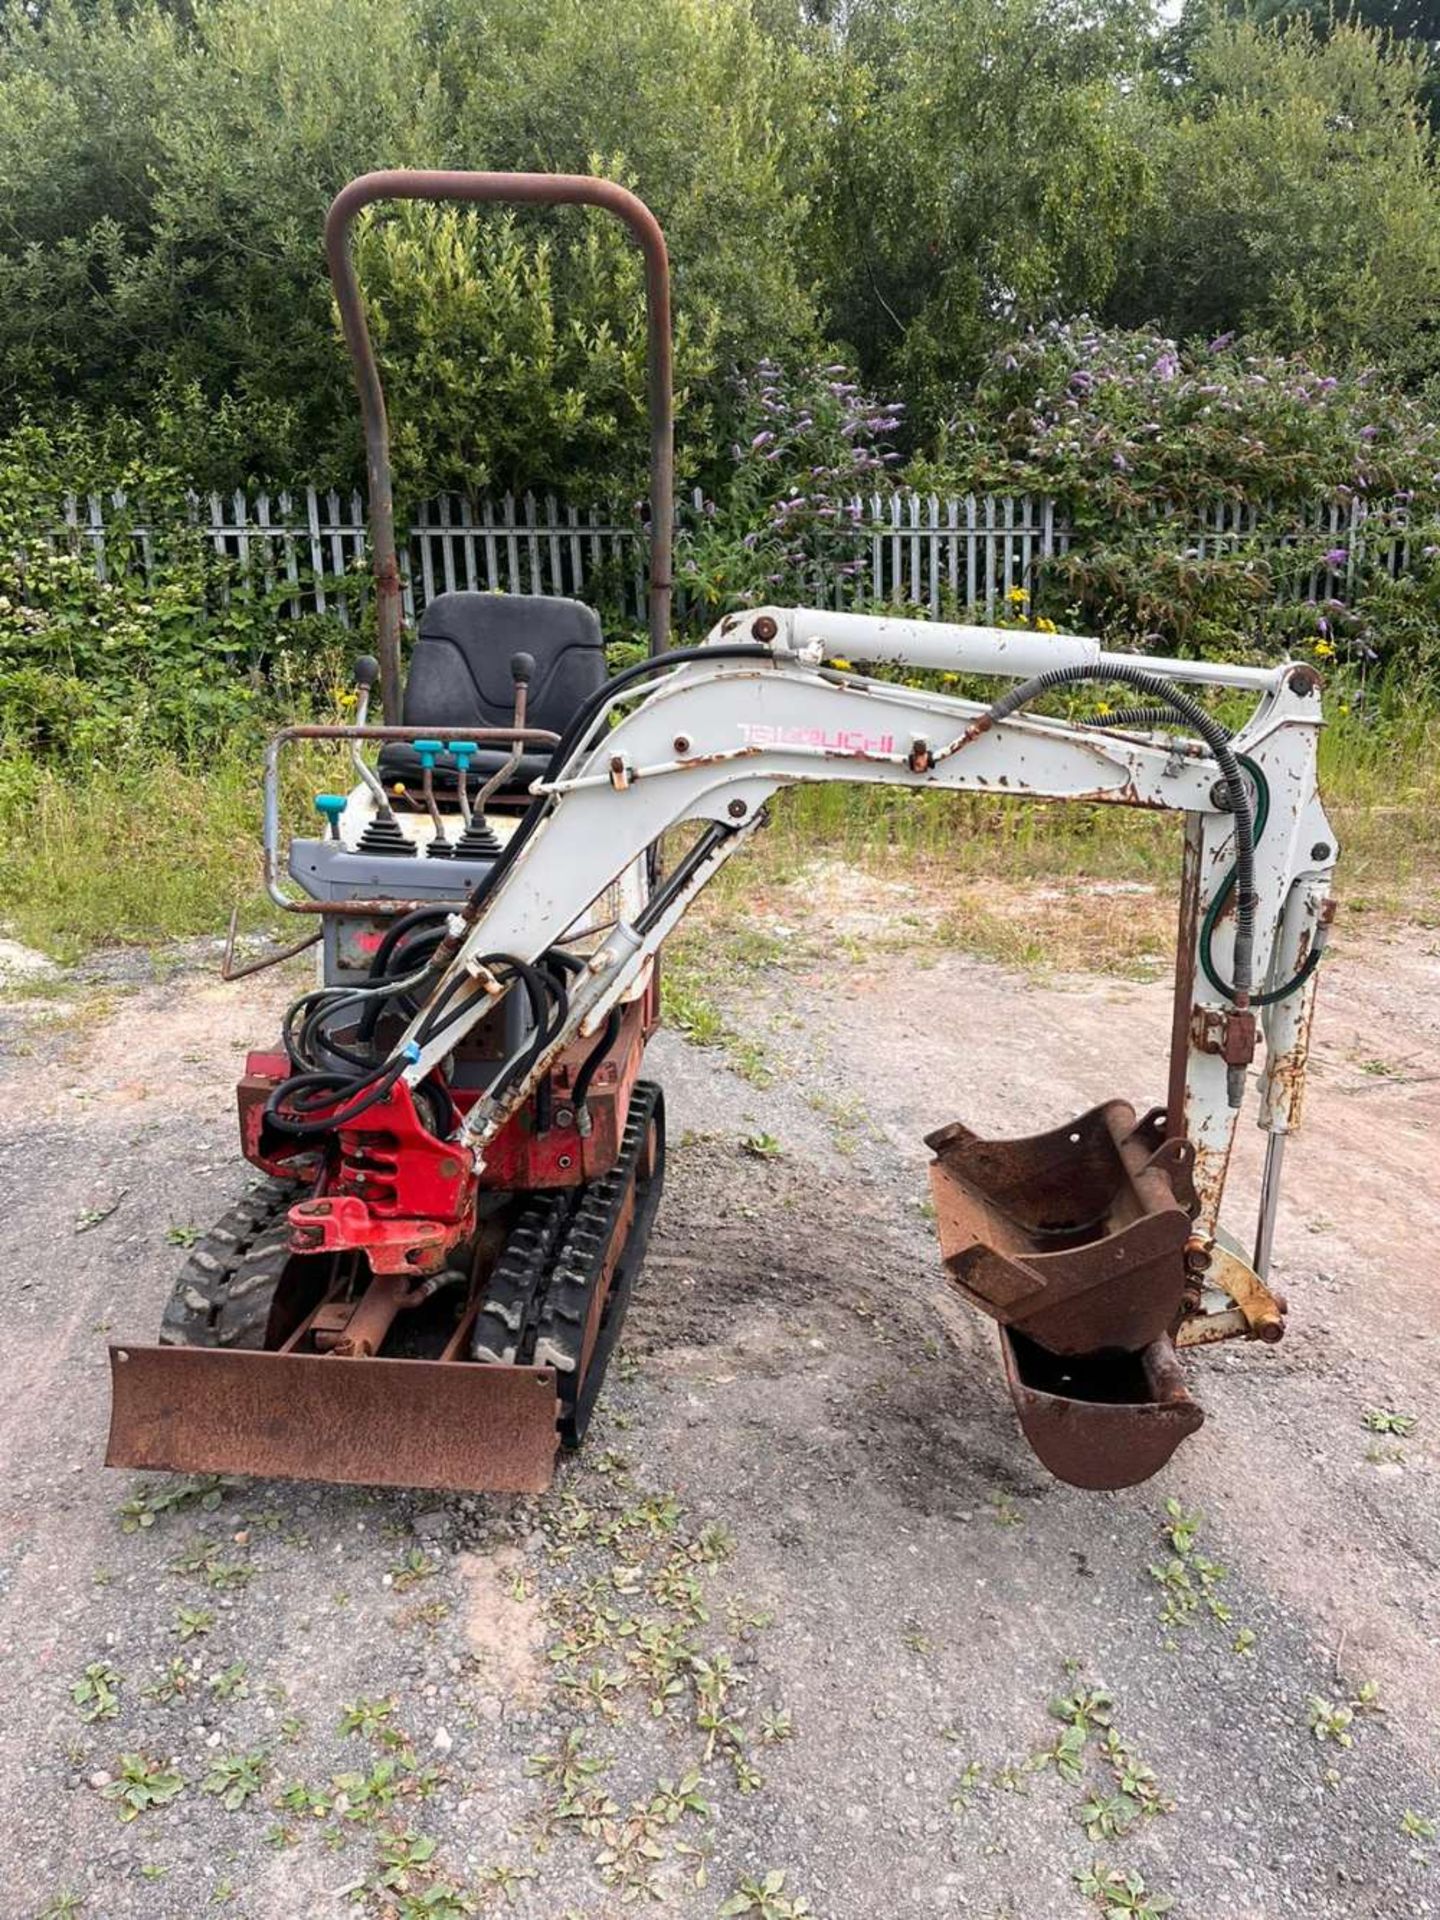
x: 565, y: 1309
x: 225, y: 1290
x: 507, y: 1316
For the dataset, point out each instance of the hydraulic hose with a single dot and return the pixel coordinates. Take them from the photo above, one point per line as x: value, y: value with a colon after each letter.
x: 1132, y: 717
x: 362, y: 1093
x: 365, y: 1088
x: 608, y: 1035
x: 1217, y: 738
x: 1123, y: 717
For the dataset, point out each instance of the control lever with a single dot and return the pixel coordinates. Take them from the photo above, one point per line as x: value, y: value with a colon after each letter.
x: 383, y: 834
x: 478, y: 841
x: 461, y: 751
x: 429, y: 752
x: 330, y: 806
x: 522, y: 672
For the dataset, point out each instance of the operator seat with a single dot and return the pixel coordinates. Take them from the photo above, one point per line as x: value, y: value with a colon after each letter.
x: 460, y: 677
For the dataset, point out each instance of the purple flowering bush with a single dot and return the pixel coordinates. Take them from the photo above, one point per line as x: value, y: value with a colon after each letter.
x: 781, y: 503
x: 1149, y: 449
x: 1115, y: 422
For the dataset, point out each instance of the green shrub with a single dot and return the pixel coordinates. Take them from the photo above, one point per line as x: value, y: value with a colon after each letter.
x: 1141, y: 441
x: 180, y: 652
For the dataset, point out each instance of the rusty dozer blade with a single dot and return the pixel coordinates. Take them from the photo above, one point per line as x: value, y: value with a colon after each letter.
x: 1105, y: 1420
x: 455, y: 1426
x: 1076, y: 1237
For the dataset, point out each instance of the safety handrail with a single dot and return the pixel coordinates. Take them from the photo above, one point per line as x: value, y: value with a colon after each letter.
x: 539, y: 737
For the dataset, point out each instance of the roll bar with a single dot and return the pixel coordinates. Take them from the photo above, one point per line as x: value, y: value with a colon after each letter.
x: 516, y: 189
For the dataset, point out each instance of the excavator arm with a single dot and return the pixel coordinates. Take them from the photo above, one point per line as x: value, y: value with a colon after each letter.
x: 758, y: 708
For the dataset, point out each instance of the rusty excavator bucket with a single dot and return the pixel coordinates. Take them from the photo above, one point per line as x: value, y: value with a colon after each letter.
x: 1074, y: 1242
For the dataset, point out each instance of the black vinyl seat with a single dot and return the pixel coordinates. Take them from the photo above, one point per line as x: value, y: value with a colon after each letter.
x: 460, y: 678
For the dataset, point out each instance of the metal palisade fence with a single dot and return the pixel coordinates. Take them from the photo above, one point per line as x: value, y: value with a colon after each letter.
x: 309, y: 550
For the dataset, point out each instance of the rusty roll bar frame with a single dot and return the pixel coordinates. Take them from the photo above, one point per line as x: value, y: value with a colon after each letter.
x: 515, y: 189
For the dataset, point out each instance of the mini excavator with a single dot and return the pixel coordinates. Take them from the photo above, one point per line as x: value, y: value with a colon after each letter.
x: 460, y: 1158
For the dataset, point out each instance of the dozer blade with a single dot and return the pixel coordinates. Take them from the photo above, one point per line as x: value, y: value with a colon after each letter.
x: 1104, y: 1420
x: 451, y: 1425
x: 1075, y: 1237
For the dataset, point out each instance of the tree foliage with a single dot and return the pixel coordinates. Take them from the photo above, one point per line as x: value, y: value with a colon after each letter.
x: 905, y: 184
x: 167, y: 183
x: 986, y: 166
x: 1295, y: 196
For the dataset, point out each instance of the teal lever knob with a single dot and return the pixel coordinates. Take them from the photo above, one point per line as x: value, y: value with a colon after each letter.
x: 429, y: 751
x: 331, y: 806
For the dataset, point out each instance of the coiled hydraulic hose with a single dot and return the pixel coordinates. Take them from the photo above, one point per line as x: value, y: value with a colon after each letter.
x: 1123, y: 717
x: 1217, y: 738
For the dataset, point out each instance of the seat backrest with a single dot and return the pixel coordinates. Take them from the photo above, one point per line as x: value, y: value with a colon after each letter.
x: 460, y: 668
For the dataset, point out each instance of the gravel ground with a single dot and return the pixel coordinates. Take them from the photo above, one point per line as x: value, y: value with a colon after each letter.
x: 807, y: 1573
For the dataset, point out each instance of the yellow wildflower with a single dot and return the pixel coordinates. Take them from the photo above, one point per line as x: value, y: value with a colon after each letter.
x: 843, y: 665
x: 1046, y: 626
x: 1323, y: 650
x: 1103, y: 707
x: 1017, y: 596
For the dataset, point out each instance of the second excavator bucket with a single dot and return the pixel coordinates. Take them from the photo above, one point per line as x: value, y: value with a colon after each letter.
x: 1074, y: 1240
x: 1108, y: 1420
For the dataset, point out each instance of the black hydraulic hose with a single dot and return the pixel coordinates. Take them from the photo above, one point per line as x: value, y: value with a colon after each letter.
x: 1162, y: 717
x: 1133, y: 717
x: 435, y: 1089
x: 549, y: 1001
x: 646, y: 669
x: 537, y: 990
x: 314, y: 1040
x: 1217, y: 737
x: 361, y: 1094
x: 434, y: 1022
x: 414, y: 956
x: 396, y: 932
x: 608, y: 1035
x: 575, y: 732
x: 681, y: 874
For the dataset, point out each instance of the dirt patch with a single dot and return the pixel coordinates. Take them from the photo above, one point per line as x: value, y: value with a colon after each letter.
x: 503, y: 1624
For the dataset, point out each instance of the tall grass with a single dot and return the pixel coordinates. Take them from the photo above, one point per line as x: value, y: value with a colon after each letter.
x: 160, y: 847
